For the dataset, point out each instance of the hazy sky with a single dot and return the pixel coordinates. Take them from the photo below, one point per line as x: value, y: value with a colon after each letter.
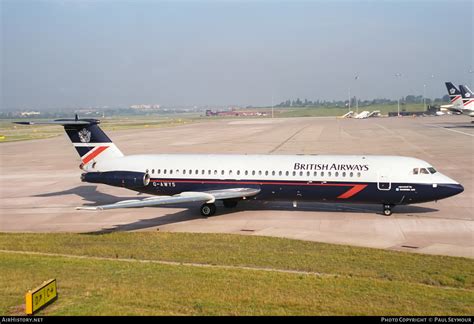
x: 92, y: 53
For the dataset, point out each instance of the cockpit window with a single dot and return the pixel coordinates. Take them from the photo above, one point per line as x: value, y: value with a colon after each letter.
x: 415, y: 171
x: 432, y: 170
x: 424, y: 171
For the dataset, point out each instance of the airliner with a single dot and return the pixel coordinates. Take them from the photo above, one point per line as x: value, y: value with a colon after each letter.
x: 467, y: 100
x: 462, y: 100
x: 454, y: 97
x: 207, y: 178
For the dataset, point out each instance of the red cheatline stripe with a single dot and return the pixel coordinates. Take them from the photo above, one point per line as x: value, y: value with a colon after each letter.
x: 92, y: 154
x: 351, y: 192
x: 468, y: 102
x: 455, y: 98
x: 356, y: 188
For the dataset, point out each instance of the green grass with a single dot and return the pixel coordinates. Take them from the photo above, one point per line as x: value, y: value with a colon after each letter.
x: 10, y: 132
x: 353, y: 281
x: 335, y: 111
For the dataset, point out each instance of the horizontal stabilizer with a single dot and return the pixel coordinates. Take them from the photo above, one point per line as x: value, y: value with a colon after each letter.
x: 59, y: 122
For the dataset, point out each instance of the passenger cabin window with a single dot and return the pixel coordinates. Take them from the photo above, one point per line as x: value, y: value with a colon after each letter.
x: 266, y: 173
x: 164, y: 171
x: 222, y: 172
x: 253, y: 172
x: 184, y: 171
x: 158, y: 171
x: 246, y: 172
x: 152, y: 171
x: 287, y: 173
x: 294, y: 173
x: 171, y: 171
x: 301, y: 173
x: 238, y: 172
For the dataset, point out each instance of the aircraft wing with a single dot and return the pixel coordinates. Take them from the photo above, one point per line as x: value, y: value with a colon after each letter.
x: 184, y: 197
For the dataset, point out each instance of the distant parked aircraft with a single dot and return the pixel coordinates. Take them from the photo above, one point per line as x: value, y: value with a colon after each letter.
x: 467, y: 100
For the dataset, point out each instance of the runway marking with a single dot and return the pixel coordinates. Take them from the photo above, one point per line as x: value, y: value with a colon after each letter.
x: 453, y: 130
x: 289, y: 138
x: 213, y: 266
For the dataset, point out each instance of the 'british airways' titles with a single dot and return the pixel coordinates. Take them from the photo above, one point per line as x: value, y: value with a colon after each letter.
x: 329, y: 167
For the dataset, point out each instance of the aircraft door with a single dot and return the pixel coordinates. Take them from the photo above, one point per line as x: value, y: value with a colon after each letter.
x: 383, y: 182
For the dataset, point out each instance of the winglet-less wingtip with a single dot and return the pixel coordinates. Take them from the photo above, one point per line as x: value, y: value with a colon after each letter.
x: 88, y: 208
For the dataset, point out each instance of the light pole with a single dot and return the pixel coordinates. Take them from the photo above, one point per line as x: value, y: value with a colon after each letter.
x: 398, y: 75
x: 424, y: 96
x: 272, y: 106
x: 357, y: 99
x: 349, y: 100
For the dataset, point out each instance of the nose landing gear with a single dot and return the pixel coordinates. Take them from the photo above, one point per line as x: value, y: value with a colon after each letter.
x: 387, y: 209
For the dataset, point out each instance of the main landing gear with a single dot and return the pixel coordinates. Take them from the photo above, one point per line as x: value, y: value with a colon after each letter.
x: 387, y: 209
x: 208, y: 210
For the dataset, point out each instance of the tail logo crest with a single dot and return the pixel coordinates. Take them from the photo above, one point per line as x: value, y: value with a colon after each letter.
x: 451, y: 91
x: 84, y: 136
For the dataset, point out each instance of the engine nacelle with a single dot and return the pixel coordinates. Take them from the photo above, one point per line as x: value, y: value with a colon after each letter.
x: 127, y: 179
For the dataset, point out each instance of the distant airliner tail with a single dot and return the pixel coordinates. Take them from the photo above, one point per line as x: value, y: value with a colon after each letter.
x: 89, y: 140
x: 467, y: 97
x: 454, y: 95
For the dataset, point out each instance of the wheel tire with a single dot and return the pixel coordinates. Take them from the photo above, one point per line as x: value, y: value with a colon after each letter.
x: 230, y: 203
x: 208, y: 210
x: 387, y: 210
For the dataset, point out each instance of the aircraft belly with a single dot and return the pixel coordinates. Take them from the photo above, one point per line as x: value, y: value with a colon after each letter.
x: 398, y: 194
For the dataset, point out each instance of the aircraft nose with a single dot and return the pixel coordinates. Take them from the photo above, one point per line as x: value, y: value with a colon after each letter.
x: 451, y: 189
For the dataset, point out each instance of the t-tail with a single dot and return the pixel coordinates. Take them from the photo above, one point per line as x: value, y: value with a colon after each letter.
x: 467, y: 97
x: 454, y: 95
x: 89, y: 140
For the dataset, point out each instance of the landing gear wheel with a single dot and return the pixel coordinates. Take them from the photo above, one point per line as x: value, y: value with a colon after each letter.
x: 230, y: 203
x: 387, y: 210
x: 208, y: 210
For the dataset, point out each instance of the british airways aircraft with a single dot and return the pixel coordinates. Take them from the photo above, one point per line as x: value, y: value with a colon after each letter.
x: 172, y: 179
x: 462, y: 100
x: 467, y: 100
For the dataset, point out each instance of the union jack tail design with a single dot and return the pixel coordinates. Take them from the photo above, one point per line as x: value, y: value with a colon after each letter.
x: 89, y: 140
